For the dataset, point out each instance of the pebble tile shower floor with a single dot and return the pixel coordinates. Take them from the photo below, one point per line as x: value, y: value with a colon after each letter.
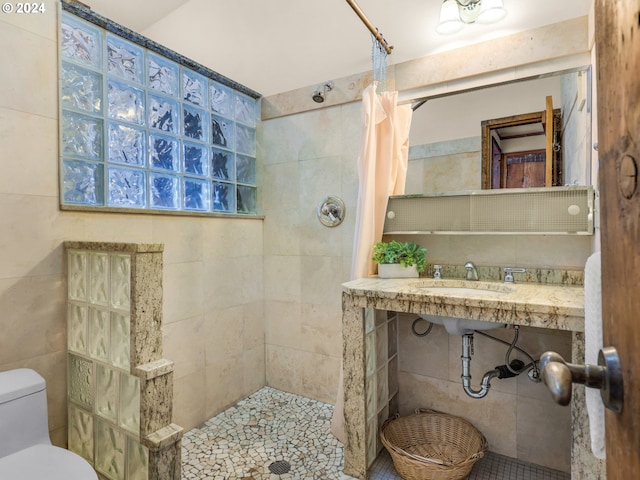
x: 276, y: 429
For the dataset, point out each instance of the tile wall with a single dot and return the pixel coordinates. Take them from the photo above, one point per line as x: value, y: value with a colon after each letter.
x: 307, y: 157
x: 518, y: 417
x: 213, y: 268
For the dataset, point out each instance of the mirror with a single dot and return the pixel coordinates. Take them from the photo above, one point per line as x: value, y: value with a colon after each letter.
x: 446, y: 135
x: 523, y: 151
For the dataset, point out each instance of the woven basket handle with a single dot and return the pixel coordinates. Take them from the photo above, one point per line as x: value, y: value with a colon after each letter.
x: 392, y: 417
x: 429, y: 410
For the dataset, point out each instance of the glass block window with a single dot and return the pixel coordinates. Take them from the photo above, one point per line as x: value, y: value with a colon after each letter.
x: 144, y: 128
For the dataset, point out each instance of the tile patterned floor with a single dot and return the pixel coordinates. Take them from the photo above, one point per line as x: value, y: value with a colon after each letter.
x: 271, y: 431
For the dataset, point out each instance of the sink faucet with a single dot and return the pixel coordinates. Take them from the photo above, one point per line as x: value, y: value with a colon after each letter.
x: 472, y: 273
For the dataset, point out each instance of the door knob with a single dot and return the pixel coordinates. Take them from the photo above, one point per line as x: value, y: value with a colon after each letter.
x: 558, y: 376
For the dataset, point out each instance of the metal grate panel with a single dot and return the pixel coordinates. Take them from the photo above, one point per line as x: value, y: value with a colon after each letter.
x: 557, y: 210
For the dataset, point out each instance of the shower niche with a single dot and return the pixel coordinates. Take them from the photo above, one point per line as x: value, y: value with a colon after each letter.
x: 119, y: 388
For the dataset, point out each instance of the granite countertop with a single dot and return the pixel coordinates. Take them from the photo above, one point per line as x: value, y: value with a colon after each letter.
x: 557, y: 307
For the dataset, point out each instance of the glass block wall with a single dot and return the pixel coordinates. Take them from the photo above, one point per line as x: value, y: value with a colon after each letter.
x: 381, y: 374
x: 105, y: 387
x: 147, y: 129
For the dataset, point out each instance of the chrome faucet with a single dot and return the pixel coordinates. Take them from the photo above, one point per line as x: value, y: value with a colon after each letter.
x: 437, y: 275
x: 508, y: 274
x: 472, y: 273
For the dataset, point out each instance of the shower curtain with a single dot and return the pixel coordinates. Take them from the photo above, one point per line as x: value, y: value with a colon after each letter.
x: 382, y: 171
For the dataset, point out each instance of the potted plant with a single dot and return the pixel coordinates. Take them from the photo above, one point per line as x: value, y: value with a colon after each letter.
x: 399, y: 260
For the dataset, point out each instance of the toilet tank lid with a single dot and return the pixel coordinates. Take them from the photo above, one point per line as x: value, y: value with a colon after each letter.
x: 18, y: 383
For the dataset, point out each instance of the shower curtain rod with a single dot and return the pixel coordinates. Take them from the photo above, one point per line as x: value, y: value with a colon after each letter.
x: 374, y: 31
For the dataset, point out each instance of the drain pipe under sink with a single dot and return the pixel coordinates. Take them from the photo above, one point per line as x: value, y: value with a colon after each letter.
x: 499, y: 372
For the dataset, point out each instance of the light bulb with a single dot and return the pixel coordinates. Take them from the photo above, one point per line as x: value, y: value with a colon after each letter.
x: 449, y: 18
x: 491, y: 11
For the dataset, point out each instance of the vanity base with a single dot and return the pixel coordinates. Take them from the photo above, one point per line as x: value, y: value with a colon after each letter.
x: 358, y: 456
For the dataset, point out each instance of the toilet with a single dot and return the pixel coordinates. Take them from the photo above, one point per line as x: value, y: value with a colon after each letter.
x: 26, y: 452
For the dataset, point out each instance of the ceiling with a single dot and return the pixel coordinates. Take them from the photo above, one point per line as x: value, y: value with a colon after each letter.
x: 274, y: 46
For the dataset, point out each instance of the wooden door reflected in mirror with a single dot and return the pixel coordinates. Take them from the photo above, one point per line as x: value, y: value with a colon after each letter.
x: 523, y: 150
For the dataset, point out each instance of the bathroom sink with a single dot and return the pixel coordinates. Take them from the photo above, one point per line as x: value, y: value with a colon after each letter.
x: 460, y: 291
x: 462, y: 287
x: 461, y: 326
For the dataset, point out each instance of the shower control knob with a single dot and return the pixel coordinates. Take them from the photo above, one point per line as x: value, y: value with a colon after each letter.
x: 559, y: 376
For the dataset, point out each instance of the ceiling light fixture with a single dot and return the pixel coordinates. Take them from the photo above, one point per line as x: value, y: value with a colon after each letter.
x: 454, y: 14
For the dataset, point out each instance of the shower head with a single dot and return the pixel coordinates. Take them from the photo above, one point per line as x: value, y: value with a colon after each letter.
x: 319, y: 93
x: 318, y: 96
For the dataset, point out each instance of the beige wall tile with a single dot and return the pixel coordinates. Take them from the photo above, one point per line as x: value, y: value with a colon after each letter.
x: 184, y: 342
x: 287, y: 139
x: 224, y: 384
x: 182, y: 291
x: 114, y: 227
x: 322, y: 340
x: 544, y: 433
x: 222, y: 285
x: 25, y: 221
x: 284, y: 368
x: 283, y: 324
x: 34, y: 317
x: 322, y: 329
x: 327, y: 316
x: 223, y: 330
x: 282, y: 278
x: 494, y: 415
x: 319, y: 377
x: 189, y: 400
x: 351, y: 134
x: 181, y: 236
x: 254, y: 370
x: 234, y: 238
x: 282, y: 139
x: 570, y: 251
x: 415, y: 177
x: 252, y: 285
x: 321, y: 283
x: 44, y: 23
x: 452, y: 173
x: 17, y: 129
x: 282, y: 188
x: 253, y: 318
x: 484, y: 249
x: 417, y: 391
x: 28, y: 86
x: 428, y: 355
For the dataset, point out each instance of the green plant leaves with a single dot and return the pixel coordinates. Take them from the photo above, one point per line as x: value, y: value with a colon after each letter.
x: 406, y: 254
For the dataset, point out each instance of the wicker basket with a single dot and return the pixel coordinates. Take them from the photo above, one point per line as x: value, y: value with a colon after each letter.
x: 431, y: 445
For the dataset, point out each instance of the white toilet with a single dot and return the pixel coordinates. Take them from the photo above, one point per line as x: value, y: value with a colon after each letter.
x: 26, y: 452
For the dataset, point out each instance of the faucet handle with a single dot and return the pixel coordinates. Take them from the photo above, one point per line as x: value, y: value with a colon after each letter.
x: 437, y: 275
x: 508, y: 273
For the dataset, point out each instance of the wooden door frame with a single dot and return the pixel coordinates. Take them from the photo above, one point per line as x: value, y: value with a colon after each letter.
x: 617, y: 32
x: 487, y: 126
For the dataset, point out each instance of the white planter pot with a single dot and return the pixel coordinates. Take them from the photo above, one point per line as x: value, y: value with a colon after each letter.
x: 395, y: 270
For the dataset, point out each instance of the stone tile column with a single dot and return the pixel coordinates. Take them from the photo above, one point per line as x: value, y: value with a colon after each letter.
x: 120, y: 387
